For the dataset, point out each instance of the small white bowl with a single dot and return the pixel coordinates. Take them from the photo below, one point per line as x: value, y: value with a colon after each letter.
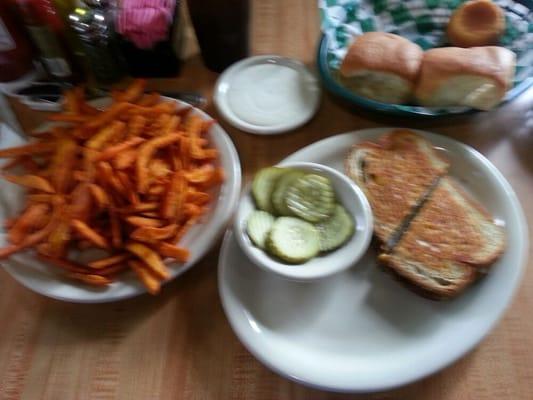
x: 348, y: 195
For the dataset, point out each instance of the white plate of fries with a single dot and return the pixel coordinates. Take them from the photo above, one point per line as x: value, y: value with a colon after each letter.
x: 115, y: 197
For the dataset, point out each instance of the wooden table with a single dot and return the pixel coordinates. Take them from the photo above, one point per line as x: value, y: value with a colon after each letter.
x: 179, y: 345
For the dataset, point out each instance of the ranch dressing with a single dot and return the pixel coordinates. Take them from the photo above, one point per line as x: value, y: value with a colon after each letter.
x: 271, y: 95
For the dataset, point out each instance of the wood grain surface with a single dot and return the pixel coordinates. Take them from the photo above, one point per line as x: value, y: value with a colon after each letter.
x: 179, y: 345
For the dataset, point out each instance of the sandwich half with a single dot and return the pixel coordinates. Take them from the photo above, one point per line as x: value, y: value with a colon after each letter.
x: 396, y: 173
x: 450, y: 241
x: 434, y: 235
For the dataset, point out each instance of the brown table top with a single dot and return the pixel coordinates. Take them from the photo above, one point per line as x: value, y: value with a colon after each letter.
x: 179, y: 344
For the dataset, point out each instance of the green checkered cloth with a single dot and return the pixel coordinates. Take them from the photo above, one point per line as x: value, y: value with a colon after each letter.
x: 423, y: 22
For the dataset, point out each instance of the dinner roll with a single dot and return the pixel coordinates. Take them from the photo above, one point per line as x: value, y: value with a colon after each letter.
x: 476, y: 23
x: 382, y: 66
x: 476, y: 77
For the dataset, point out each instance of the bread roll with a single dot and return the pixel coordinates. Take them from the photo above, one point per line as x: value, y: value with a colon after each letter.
x: 476, y: 23
x: 382, y: 66
x: 477, y: 77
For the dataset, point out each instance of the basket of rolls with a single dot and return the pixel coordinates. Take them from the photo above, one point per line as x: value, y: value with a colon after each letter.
x: 426, y: 57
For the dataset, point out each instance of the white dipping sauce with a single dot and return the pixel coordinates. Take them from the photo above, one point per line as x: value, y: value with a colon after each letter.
x: 270, y: 95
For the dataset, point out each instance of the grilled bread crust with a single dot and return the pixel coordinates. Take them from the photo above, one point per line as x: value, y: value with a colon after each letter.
x: 449, y: 239
x: 395, y: 173
x: 448, y: 243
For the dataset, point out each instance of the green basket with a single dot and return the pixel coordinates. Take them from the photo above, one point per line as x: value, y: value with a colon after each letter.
x: 424, y: 22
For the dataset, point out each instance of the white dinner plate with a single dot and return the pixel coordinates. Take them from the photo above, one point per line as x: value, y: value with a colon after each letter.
x: 360, y: 330
x: 42, y: 278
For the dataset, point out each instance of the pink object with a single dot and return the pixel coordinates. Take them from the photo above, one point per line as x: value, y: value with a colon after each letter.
x: 145, y: 22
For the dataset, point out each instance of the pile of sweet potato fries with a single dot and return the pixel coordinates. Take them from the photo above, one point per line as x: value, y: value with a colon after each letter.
x: 130, y: 179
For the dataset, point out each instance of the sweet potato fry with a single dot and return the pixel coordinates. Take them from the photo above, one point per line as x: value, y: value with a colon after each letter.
x: 99, y: 195
x: 174, y: 155
x: 216, y: 179
x: 136, y: 125
x: 150, y: 214
x: 87, y: 109
x: 108, y: 115
x: 153, y: 235
x: 59, y: 238
x: 144, y: 222
x: 28, y: 149
x: 185, y: 151
x: 149, y: 100
x: 71, y: 99
x: 154, y: 111
x: 79, y: 176
x: 91, y: 279
x: 67, y: 117
x: 149, y: 280
x: 116, y: 230
x: 112, y: 270
x: 81, y: 132
x: 106, y: 134
x: 80, y: 203
x: 158, y: 126
x: 34, y: 217
x: 14, y: 162
x: 107, y: 177
x: 183, y: 229
x: 201, y: 174
x: 196, y: 197
x: 140, y: 208
x: 62, y: 164
x: 28, y: 241
x: 172, y: 251
x: 125, y: 159
x: 114, y: 150
x: 156, y: 190
x: 88, y: 163
x: 40, y: 198
x: 31, y: 182
x: 159, y: 168
x: 134, y: 92
x: 171, y: 125
x: 175, y: 196
x: 193, y: 126
x: 192, y: 210
x: 146, y: 151
x: 150, y: 258
x: 90, y: 234
x: 109, y: 261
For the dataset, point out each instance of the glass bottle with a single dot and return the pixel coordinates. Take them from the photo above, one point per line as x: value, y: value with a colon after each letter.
x: 15, y: 47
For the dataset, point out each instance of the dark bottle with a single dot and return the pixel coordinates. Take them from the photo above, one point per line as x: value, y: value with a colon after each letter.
x: 94, y: 28
x: 146, y: 32
x: 222, y: 30
x: 49, y: 35
x: 15, y: 48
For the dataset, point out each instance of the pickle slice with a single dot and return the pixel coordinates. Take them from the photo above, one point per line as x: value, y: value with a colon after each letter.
x: 263, y: 185
x: 311, y: 198
x: 258, y: 226
x: 279, y: 194
x: 335, y: 230
x: 293, y: 240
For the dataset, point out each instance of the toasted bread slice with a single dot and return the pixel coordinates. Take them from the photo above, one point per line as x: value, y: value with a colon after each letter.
x: 450, y: 240
x: 396, y: 174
